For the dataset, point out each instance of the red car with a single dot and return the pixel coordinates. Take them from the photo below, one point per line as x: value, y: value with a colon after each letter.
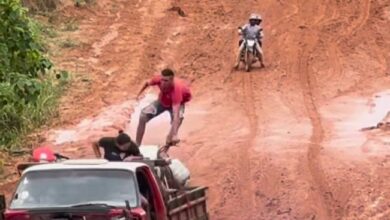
x: 98, y: 189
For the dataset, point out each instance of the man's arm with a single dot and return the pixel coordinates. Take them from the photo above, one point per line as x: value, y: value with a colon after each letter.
x: 261, y: 33
x: 96, y: 149
x: 242, y: 29
x: 172, y: 136
x: 146, y: 85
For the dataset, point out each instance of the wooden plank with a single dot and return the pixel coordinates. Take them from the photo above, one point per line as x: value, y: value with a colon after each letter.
x: 187, y: 205
x: 195, y: 193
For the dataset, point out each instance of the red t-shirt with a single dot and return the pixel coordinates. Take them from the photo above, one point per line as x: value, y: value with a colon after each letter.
x: 180, y: 92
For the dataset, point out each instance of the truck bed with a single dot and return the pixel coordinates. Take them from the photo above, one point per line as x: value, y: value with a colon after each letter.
x: 190, y: 205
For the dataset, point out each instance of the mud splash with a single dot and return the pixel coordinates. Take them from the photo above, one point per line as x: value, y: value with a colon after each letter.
x: 125, y: 116
x: 158, y: 127
x: 107, y: 122
x: 154, y: 131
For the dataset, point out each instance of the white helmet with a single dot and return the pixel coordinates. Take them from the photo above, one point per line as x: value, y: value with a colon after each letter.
x: 259, y: 17
x: 253, y: 17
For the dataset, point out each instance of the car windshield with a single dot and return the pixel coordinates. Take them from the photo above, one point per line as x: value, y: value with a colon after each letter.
x: 64, y: 188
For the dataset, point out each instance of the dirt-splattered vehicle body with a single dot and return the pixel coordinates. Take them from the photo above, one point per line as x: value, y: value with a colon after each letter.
x: 98, y: 189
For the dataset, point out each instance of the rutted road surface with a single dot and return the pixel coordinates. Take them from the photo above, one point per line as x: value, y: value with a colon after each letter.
x: 283, y: 142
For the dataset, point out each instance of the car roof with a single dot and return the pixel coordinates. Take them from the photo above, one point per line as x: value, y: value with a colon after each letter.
x: 86, y: 164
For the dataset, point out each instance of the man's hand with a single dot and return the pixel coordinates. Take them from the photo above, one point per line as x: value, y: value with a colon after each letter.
x: 172, y: 140
x: 96, y: 150
x: 146, y: 85
x: 131, y: 158
x: 175, y: 140
x: 169, y: 139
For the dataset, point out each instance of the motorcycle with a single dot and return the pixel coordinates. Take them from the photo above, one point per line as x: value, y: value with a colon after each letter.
x: 250, y: 54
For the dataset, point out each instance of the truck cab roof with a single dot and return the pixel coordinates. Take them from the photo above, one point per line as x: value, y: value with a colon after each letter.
x: 86, y: 164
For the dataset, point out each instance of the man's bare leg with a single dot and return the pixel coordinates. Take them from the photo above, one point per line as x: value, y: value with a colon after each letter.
x: 261, y: 55
x: 238, y: 59
x: 143, y: 119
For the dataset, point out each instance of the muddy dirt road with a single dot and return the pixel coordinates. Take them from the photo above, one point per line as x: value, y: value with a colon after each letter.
x: 282, y: 142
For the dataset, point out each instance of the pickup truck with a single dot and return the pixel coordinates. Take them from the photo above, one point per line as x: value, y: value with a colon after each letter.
x: 99, y: 189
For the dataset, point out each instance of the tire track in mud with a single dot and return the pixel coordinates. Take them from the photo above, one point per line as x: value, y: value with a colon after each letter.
x: 119, y: 40
x: 314, y: 148
x: 251, y: 106
x: 232, y: 187
x: 360, y: 23
x: 335, y: 209
x: 314, y: 170
x: 237, y: 185
x: 334, y: 42
x: 319, y: 184
x: 154, y: 31
x: 246, y: 182
x: 335, y: 206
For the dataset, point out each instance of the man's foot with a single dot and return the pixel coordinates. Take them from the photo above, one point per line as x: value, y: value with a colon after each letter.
x: 262, y: 65
x: 236, y: 66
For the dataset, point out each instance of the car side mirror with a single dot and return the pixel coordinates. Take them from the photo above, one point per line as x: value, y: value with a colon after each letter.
x: 2, y: 206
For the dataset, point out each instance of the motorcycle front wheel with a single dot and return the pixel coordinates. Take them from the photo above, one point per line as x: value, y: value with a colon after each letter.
x: 248, y: 61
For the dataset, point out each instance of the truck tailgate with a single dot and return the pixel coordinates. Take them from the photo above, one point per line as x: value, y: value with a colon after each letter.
x: 189, y: 206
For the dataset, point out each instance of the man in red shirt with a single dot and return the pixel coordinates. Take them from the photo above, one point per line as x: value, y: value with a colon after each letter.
x: 174, y: 93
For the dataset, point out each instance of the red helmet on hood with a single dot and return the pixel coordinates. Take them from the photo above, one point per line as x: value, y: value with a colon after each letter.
x: 43, y: 154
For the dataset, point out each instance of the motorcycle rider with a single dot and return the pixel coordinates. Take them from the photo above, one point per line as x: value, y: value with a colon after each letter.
x: 251, y: 31
x: 258, y: 22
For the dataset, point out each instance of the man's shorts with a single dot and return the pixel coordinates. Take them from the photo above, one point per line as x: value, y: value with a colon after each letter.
x: 155, y: 108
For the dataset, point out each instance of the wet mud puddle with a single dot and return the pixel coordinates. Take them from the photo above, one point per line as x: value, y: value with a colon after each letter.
x: 351, y: 119
x: 125, y: 116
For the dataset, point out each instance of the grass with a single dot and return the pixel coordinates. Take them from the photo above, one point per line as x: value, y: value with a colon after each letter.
x: 19, y: 119
x: 68, y: 43
x: 50, y: 32
x: 33, y: 115
x: 71, y: 25
x: 1, y: 166
x: 81, y: 3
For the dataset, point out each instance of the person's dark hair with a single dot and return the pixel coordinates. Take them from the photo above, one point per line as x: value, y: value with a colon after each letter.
x: 123, y: 138
x: 167, y: 72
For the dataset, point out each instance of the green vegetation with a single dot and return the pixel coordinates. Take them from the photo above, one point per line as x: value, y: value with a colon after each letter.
x: 46, y: 31
x: 41, y: 6
x: 68, y: 43
x: 71, y: 25
x: 28, y: 88
x: 81, y: 3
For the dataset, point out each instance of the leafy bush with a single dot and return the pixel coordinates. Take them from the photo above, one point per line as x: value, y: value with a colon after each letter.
x: 27, y: 94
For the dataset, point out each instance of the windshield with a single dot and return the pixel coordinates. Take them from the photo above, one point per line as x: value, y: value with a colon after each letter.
x: 64, y: 188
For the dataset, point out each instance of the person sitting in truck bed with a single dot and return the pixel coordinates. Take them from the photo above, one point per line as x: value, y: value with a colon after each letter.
x: 116, y: 148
